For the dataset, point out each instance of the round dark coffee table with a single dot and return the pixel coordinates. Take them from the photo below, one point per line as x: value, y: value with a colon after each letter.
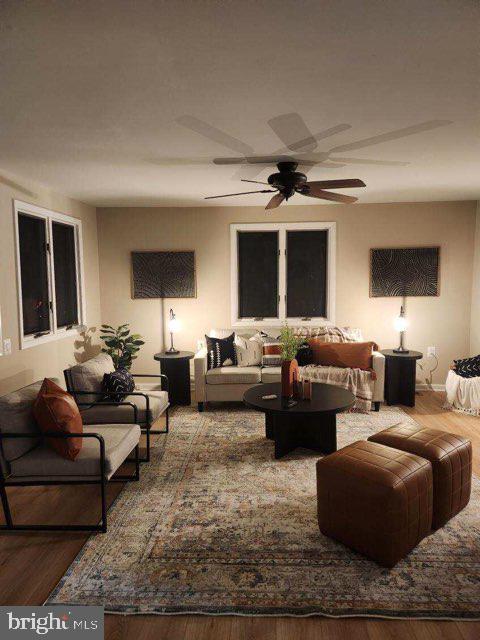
x: 311, y: 424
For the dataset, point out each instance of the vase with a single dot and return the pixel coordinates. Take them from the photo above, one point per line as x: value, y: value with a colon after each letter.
x: 289, y: 377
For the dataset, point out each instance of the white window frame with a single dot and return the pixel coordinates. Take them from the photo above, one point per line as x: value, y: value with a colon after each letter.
x: 55, y: 333
x: 282, y: 228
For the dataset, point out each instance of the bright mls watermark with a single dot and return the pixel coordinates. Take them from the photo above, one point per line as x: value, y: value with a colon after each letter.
x: 52, y: 622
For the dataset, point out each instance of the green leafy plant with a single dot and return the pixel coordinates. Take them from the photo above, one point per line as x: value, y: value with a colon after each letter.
x: 120, y: 344
x: 290, y: 342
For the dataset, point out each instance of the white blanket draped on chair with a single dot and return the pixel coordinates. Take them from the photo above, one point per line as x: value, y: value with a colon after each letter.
x: 463, y: 394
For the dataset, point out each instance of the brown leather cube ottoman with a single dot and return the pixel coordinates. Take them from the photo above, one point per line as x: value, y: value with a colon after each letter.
x: 375, y: 499
x: 451, y: 458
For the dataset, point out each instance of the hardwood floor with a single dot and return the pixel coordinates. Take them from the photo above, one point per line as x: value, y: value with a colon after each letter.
x: 32, y: 564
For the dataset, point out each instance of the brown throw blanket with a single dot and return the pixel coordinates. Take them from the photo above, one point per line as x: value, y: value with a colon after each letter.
x: 359, y: 382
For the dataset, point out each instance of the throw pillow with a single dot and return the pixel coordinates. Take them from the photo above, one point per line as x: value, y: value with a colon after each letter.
x: 118, y: 384
x: 351, y: 355
x: 221, y: 352
x: 272, y: 350
x: 304, y: 355
x: 248, y: 352
x: 468, y: 367
x: 55, y: 410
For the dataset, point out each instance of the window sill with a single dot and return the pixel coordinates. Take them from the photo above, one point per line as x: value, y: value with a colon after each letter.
x: 28, y: 342
x: 277, y: 322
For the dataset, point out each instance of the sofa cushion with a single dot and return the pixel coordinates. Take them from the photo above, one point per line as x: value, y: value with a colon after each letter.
x: 272, y: 350
x: 118, y: 383
x: 104, y: 414
x: 234, y: 375
x: 350, y: 355
x: 221, y: 352
x: 16, y: 416
x: 43, y: 463
x: 248, y: 351
x: 468, y: 367
x: 88, y: 376
x: 56, y: 411
x: 271, y: 374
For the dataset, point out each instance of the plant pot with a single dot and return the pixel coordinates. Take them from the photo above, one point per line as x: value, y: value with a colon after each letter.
x: 289, y: 377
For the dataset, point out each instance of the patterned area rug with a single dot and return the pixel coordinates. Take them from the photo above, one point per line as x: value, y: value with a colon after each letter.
x: 217, y: 526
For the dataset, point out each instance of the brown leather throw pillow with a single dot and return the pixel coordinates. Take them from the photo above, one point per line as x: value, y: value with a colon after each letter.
x: 55, y: 410
x: 351, y: 355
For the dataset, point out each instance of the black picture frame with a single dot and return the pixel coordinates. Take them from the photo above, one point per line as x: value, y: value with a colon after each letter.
x: 163, y: 274
x: 405, y: 271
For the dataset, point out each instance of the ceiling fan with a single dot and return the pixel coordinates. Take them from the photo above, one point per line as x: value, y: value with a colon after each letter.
x: 289, y: 181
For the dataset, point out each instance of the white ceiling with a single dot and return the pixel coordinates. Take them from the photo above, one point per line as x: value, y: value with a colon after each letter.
x: 94, y: 94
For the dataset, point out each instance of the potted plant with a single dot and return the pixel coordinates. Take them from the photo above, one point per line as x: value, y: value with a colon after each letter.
x: 289, y: 347
x: 121, y: 345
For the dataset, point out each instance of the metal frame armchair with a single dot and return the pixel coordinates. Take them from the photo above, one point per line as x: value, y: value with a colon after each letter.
x: 8, y: 479
x: 145, y: 423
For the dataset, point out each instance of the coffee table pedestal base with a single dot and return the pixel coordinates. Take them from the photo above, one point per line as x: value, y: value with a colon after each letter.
x: 290, y: 431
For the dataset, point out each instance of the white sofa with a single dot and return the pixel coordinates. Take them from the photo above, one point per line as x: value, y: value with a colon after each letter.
x: 227, y: 384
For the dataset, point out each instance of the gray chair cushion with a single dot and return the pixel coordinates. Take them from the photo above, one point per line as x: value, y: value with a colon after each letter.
x: 233, y: 375
x: 16, y: 416
x: 271, y: 374
x: 42, y: 463
x: 98, y: 414
x: 88, y: 376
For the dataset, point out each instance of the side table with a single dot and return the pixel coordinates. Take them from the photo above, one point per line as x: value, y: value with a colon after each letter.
x: 176, y: 367
x: 400, y: 374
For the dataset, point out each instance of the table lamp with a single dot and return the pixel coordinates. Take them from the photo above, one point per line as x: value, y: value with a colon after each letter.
x: 401, y: 324
x: 173, y: 327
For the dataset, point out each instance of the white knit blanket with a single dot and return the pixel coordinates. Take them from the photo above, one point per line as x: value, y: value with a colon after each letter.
x: 359, y: 382
x: 463, y: 394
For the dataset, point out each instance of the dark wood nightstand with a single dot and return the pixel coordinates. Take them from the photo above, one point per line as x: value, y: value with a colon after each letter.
x: 176, y: 367
x: 400, y: 375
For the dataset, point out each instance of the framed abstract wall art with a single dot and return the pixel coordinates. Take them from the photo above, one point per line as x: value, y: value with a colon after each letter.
x: 411, y: 271
x: 163, y: 274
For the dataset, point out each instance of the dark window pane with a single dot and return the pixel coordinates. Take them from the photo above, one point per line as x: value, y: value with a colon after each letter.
x: 258, y: 274
x: 64, y: 260
x: 307, y: 274
x: 34, y: 274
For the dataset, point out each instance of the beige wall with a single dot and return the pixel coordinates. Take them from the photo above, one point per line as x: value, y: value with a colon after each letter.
x: 28, y: 365
x: 442, y: 321
x: 475, y: 316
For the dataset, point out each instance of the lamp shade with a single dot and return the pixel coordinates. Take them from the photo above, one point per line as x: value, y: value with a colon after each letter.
x: 401, y: 323
x: 173, y: 325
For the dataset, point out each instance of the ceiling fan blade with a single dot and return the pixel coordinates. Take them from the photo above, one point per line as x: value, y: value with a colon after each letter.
x: 17, y: 187
x: 254, y: 181
x: 328, y: 195
x: 292, y: 131
x: 392, y: 135
x: 276, y: 201
x: 337, y: 184
x: 386, y: 163
x: 242, y: 193
x: 212, y: 133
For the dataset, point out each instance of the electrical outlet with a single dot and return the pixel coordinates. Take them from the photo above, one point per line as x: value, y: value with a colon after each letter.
x: 7, y: 347
x: 431, y: 351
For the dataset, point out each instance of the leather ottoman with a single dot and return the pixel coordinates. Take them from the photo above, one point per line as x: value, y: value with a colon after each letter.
x: 375, y: 499
x: 451, y: 458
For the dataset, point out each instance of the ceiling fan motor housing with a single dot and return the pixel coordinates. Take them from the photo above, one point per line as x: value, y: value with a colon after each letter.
x: 287, y: 180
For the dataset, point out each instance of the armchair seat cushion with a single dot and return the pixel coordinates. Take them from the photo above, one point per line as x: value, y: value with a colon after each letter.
x: 233, y: 375
x: 42, y: 463
x: 107, y: 414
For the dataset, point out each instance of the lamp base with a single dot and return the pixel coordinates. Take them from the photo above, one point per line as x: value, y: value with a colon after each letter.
x: 172, y: 351
x: 401, y: 350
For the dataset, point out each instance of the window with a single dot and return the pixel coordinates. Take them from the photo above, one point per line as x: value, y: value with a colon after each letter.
x: 283, y: 272
x: 50, y: 282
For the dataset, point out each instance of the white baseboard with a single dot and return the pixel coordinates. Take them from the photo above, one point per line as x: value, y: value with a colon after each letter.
x: 433, y: 387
